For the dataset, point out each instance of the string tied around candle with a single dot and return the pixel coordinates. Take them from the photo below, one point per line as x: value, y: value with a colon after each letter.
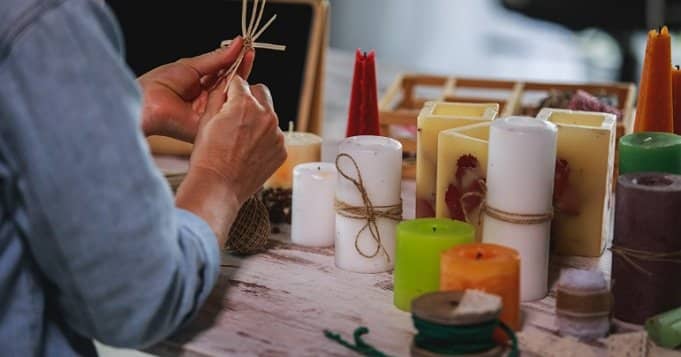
x: 250, y: 34
x: 631, y: 256
x: 368, y: 211
x: 498, y: 214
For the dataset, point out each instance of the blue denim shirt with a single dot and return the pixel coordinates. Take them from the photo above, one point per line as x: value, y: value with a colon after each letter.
x: 91, y: 245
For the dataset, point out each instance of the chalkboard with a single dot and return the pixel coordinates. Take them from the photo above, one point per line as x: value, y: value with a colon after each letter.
x: 157, y: 32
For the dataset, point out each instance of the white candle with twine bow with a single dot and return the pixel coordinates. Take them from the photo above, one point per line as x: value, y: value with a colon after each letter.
x: 368, y: 204
x: 519, y: 201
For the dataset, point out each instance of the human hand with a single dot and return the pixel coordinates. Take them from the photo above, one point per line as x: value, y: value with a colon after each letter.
x: 177, y: 95
x: 234, y: 153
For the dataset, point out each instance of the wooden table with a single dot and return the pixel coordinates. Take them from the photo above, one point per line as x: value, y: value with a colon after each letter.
x: 278, y: 303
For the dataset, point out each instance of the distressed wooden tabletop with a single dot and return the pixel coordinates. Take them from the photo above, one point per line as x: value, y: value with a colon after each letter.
x: 278, y: 303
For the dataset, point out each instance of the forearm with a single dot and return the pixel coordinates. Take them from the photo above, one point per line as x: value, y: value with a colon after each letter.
x: 206, y: 194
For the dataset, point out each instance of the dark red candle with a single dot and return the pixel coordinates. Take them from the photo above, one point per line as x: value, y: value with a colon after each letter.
x: 363, y: 114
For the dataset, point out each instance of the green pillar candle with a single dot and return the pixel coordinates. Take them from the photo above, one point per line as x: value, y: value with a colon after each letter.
x: 417, y: 260
x: 650, y: 152
x: 665, y: 329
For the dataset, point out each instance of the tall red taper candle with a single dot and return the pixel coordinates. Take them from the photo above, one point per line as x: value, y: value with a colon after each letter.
x: 363, y: 113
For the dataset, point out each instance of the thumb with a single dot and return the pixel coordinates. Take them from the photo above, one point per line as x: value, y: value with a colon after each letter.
x: 238, y: 88
x: 212, y: 62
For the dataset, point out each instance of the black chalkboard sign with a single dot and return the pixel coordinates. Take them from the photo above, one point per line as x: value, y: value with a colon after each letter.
x: 157, y: 32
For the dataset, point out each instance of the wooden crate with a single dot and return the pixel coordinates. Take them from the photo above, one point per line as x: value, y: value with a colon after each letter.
x: 400, y: 105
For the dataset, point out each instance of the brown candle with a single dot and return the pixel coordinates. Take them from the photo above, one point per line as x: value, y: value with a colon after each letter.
x: 647, y: 246
x: 654, y: 112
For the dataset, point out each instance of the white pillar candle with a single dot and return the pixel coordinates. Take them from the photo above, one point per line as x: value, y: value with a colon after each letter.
x: 363, y: 246
x: 520, y: 173
x: 313, y: 215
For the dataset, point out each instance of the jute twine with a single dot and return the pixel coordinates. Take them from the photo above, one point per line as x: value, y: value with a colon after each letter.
x: 583, y: 304
x: 251, y: 229
x: 250, y: 34
x: 631, y: 256
x: 368, y: 211
x: 501, y: 215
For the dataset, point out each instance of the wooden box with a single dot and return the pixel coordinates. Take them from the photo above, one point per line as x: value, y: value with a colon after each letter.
x: 403, y: 100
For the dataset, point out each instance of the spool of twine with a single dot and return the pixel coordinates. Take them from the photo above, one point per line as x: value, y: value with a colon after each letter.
x: 251, y: 229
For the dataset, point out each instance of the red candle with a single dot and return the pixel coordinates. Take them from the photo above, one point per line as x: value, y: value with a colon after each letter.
x: 363, y: 115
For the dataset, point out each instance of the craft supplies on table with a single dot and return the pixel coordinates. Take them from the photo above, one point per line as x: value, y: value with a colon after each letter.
x: 647, y: 246
x: 583, y: 195
x: 650, y: 152
x: 368, y: 203
x: 434, y: 118
x: 518, y: 206
x: 400, y: 105
x: 417, y: 261
x: 313, y: 216
x: 459, y: 323
x: 583, y: 304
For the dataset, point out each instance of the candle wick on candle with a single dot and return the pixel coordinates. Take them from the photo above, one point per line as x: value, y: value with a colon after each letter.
x: 434, y: 229
x: 290, y: 127
x: 677, y: 67
x: 478, y: 256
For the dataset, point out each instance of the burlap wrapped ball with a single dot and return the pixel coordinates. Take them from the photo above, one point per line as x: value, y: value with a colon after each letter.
x: 251, y: 229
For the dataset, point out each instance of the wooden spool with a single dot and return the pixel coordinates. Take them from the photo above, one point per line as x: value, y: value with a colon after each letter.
x: 437, y: 308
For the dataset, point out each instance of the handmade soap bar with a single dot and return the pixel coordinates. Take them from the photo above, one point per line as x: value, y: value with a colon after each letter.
x: 583, y: 197
x: 583, y: 304
x: 313, y: 217
x: 434, y: 118
x: 650, y: 152
x: 462, y: 168
x: 665, y: 329
x: 519, y: 209
x: 647, y: 246
x: 368, y: 204
x: 654, y: 112
x: 487, y: 267
x: 417, y: 262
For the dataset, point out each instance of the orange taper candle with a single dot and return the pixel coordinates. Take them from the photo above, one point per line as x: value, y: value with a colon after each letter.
x: 676, y: 93
x: 491, y: 268
x: 654, y: 112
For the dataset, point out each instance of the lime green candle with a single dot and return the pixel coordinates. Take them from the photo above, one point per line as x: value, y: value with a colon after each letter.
x: 417, y: 260
x: 665, y: 329
x: 650, y: 152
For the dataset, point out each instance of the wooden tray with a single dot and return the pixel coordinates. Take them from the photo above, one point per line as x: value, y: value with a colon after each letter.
x: 403, y: 100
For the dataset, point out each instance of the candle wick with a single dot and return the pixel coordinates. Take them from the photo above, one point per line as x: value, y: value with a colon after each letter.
x: 677, y: 67
x: 434, y: 229
x: 290, y: 127
x: 478, y: 256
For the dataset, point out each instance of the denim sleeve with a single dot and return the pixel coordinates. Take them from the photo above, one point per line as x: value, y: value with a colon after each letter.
x: 123, y: 265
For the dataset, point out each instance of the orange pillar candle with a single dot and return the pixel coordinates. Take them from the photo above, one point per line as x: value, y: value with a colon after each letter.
x: 654, y: 112
x: 491, y: 268
x: 676, y: 94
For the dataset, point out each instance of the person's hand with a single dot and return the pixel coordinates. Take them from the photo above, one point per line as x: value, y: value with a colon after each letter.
x: 176, y: 95
x: 234, y: 153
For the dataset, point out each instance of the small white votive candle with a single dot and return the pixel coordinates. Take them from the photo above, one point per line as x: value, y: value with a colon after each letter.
x: 313, y: 217
x: 369, y: 174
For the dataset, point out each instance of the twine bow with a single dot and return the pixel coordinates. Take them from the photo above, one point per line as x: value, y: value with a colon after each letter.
x: 504, y: 216
x: 368, y: 211
x: 250, y: 34
x: 631, y: 255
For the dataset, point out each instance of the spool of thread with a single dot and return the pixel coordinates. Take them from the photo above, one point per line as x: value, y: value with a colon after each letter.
x: 458, y: 323
x: 583, y: 304
x: 646, y: 246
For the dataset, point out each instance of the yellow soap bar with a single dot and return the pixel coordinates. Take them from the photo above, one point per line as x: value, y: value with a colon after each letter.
x: 434, y: 118
x: 586, y: 142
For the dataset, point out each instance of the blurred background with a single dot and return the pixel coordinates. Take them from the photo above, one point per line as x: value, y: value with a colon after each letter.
x: 574, y: 40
